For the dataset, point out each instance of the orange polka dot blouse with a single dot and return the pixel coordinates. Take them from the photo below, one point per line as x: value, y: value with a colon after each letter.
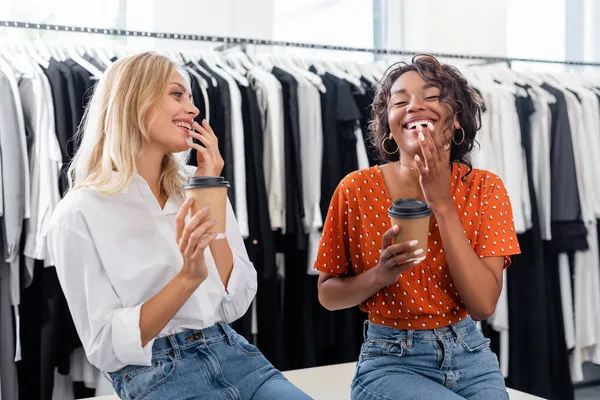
x: 424, y: 297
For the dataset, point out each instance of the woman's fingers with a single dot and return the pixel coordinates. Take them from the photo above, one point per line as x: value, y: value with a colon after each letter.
x: 420, y: 165
x: 396, y: 250
x: 209, y: 129
x: 204, y: 242
x: 206, y: 131
x: 209, y: 143
x: 191, y: 226
x: 198, y: 235
x: 180, y: 217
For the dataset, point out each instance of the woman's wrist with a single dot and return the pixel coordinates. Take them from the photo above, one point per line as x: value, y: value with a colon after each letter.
x: 443, y: 210
x: 186, y: 283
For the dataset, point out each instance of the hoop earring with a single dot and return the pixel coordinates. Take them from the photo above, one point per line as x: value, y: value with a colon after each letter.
x: 385, y: 150
x: 462, y: 140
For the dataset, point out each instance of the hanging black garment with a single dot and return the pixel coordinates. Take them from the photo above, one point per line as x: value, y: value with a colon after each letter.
x: 364, y: 101
x: 30, y: 311
x: 339, y: 115
x: 538, y: 358
x: 347, y: 114
x: 293, y: 162
x: 222, y: 127
x: 260, y: 242
x: 568, y: 229
x: 83, y: 89
x: 57, y: 78
x: 199, y: 102
x: 59, y: 337
x: 331, y: 171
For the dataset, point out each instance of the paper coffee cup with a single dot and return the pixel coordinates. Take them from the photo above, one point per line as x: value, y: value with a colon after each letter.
x: 412, y: 216
x: 210, y: 191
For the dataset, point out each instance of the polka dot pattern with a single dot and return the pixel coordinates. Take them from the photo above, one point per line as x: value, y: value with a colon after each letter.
x: 424, y: 297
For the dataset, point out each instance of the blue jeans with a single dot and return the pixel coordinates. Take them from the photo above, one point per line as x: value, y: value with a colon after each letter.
x: 213, y: 363
x: 453, y: 362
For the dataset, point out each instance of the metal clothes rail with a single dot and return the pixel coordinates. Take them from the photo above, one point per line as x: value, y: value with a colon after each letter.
x: 266, y: 42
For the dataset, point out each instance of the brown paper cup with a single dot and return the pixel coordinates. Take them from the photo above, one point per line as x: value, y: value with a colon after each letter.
x: 412, y: 229
x: 412, y: 216
x: 210, y: 192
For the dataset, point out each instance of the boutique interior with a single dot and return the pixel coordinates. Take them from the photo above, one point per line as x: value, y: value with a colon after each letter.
x: 286, y: 147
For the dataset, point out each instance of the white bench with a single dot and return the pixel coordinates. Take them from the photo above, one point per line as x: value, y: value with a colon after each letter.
x: 333, y: 382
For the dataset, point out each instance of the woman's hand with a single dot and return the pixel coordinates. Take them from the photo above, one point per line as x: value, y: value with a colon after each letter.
x: 396, y: 258
x: 210, y: 162
x: 193, y: 238
x: 434, y: 169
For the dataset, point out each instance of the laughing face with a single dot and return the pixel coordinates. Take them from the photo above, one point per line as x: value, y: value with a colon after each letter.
x: 172, y: 122
x: 415, y: 102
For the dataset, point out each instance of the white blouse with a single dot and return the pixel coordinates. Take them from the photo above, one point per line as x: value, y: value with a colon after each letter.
x: 113, y: 253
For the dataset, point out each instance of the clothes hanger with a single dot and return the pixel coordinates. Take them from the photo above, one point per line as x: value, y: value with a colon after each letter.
x: 245, y: 60
x: 75, y: 56
x: 35, y: 55
x: 215, y: 59
x: 264, y: 61
x: 194, y: 57
x: 235, y: 63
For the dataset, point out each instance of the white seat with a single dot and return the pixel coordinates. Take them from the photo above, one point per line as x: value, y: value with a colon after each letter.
x: 333, y: 382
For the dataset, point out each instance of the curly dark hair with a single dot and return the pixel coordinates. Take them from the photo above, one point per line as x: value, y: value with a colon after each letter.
x: 456, y: 94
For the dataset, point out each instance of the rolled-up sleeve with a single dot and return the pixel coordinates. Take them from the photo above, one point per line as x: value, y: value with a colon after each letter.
x: 109, y: 332
x: 242, y: 284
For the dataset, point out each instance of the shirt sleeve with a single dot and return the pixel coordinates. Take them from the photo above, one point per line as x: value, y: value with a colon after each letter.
x: 109, y: 332
x: 333, y: 255
x: 497, y: 235
x: 242, y: 285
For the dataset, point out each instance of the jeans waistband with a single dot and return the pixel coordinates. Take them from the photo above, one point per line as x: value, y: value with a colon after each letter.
x: 458, y: 330
x: 191, y: 338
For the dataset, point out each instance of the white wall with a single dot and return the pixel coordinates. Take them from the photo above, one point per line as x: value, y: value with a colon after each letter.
x: 457, y: 26
x: 333, y: 22
x: 513, y: 28
x: 592, y: 30
x: 251, y: 19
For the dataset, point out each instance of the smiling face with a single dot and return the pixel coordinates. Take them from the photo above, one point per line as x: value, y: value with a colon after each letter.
x: 169, y: 127
x: 414, y: 101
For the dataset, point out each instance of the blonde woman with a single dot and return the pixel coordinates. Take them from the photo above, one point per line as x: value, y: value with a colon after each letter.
x: 150, y: 291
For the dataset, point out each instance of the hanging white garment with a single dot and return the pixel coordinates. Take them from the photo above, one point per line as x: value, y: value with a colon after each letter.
x: 269, y: 94
x: 587, y: 263
x: 540, y: 153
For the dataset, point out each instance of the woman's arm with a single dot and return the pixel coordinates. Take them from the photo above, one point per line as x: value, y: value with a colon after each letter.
x: 221, y: 252
x: 156, y: 313
x: 478, y: 281
x: 235, y: 270
x: 336, y: 293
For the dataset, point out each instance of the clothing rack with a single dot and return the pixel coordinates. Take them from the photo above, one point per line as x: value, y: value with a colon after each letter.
x: 227, y: 42
x: 267, y: 42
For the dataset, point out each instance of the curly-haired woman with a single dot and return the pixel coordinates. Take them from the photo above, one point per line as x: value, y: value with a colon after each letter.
x: 421, y: 340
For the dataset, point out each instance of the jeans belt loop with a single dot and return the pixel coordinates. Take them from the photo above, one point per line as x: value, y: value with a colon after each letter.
x: 228, y: 333
x: 174, y: 346
x: 409, y: 337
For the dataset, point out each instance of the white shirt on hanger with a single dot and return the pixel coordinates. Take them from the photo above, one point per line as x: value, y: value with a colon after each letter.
x: 113, y: 253
x: 269, y: 88
x: 587, y: 268
x: 45, y: 166
x: 311, y: 151
x: 540, y: 146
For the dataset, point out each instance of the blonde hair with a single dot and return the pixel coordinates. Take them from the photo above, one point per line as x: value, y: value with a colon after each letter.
x: 115, y: 126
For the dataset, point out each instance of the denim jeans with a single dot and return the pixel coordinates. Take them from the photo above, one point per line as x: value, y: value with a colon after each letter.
x: 453, y: 362
x: 213, y: 363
